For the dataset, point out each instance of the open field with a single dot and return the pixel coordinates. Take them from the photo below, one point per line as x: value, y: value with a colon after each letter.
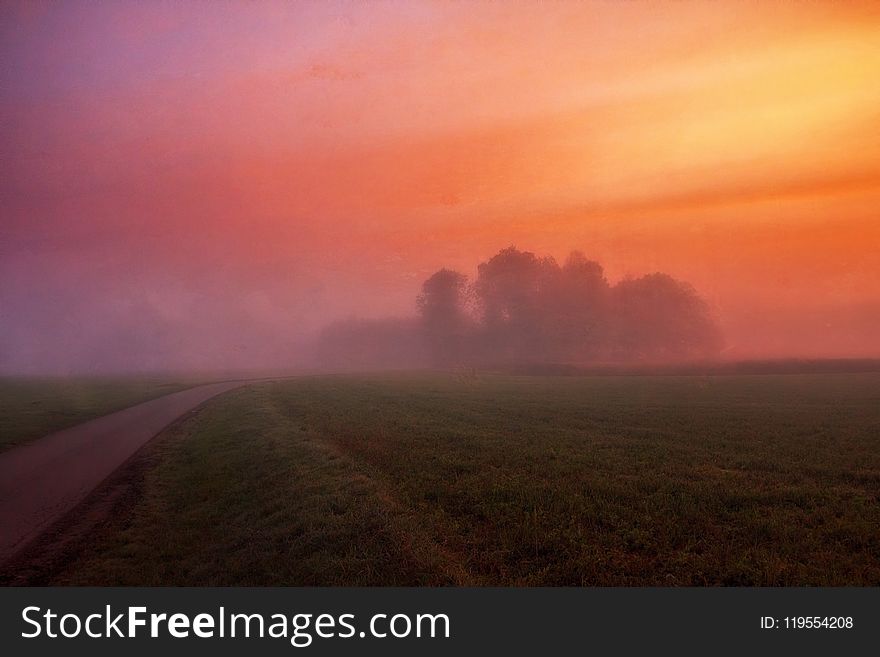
x: 438, y: 479
x: 33, y: 407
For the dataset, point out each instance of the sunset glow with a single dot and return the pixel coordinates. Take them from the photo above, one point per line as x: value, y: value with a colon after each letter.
x: 195, y: 188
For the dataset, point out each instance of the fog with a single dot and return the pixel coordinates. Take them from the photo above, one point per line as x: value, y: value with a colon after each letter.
x: 513, y: 307
x: 250, y: 187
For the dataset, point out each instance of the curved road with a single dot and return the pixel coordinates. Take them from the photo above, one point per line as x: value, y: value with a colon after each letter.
x: 44, y: 479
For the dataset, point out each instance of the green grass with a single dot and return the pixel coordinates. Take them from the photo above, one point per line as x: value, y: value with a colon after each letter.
x: 435, y: 479
x: 33, y: 407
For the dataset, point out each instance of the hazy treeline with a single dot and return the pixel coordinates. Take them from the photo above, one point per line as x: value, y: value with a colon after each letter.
x: 525, y: 308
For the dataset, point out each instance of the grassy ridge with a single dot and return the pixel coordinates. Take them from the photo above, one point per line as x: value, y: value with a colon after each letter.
x: 433, y: 479
x: 33, y: 407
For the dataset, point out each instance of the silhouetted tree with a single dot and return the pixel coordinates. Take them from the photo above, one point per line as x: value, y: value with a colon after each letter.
x: 576, y: 311
x: 510, y: 291
x: 659, y: 318
x: 442, y: 307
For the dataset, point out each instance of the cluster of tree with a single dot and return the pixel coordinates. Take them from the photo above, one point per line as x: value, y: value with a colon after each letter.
x: 524, y: 308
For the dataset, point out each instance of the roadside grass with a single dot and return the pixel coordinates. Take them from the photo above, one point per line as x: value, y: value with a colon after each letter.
x: 502, y: 480
x: 34, y: 407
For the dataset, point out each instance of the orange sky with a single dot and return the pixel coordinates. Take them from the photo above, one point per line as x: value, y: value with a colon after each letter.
x: 269, y: 166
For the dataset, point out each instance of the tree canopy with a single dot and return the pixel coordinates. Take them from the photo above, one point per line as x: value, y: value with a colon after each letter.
x: 526, y: 308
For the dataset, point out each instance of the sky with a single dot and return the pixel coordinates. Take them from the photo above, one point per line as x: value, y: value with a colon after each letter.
x: 193, y: 185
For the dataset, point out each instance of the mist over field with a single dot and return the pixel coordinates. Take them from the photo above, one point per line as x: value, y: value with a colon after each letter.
x: 191, y: 190
x: 522, y: 308
x: 547, y: 312
x: 516, y: 307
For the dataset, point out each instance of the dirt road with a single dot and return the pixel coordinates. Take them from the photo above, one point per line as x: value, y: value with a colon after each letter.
x: 42, y: 480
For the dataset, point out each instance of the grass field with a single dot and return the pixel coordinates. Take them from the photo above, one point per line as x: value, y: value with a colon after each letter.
x: 33, y: 407
x: 439, y: 479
